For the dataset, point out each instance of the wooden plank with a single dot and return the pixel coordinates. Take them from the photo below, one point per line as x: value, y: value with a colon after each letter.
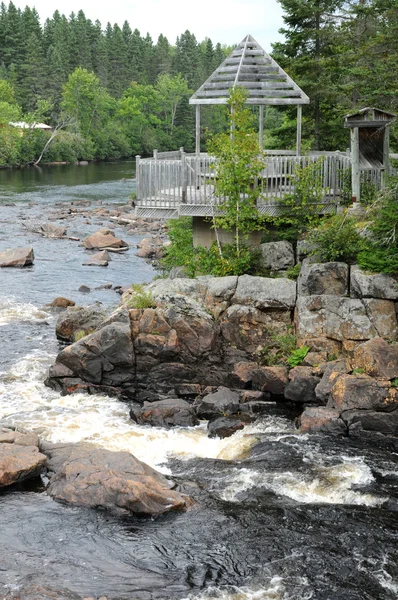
x: 250, y: 69
x: 261, y: 85
x: 252, y: 93
x: 298, y: 135
x: 252, y: 101
x: 355, y: 170
x: 250, y: 77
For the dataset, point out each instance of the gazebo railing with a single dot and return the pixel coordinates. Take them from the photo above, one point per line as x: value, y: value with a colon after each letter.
x: 170, y: 180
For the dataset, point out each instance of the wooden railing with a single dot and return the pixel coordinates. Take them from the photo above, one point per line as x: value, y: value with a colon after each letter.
x: 171, y: 180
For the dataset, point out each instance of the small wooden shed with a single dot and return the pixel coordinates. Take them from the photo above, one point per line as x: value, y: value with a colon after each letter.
x: 251, y: 67
x: 370, y: 144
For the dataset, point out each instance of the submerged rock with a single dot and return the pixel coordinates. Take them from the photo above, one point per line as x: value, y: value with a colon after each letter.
x: 100, y: 259
x: 61, y: 302
x: 17, y: 257
x: 165, y: 413
x: 83, y: 475
x: 224, y: 427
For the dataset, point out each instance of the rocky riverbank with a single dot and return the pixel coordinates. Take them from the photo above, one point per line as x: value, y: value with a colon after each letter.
x: 174, y: 346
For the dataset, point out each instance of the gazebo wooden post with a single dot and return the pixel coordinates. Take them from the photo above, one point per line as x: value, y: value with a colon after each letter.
x: 386, y: 156
x: 197, y: 147
x: 355, y: 169
x: 298, y: 136
x: 261, y: 127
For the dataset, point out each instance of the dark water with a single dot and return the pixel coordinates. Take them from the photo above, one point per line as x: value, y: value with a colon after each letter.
x: 278, y: 515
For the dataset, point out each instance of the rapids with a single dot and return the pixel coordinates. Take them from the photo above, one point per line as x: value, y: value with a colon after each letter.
x: 278, y: 515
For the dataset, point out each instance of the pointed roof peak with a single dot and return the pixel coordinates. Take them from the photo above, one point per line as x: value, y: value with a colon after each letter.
x: 251, y: 67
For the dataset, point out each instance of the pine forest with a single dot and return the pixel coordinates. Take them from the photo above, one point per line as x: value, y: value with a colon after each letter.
x: 111, y: 93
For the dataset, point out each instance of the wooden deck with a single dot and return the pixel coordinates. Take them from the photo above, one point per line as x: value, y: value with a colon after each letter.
x: 174, y: 184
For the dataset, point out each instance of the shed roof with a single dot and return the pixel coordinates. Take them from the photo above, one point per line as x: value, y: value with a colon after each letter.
x: 369, y: 117
x: 251, y: 67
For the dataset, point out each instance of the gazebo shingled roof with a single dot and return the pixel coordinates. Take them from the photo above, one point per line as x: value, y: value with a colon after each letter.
x: 251, y: 67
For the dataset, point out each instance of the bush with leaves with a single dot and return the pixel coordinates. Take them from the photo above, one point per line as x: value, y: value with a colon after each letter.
x: 336, y: 239
x: 380, y: 252
x: 239, y: 164
x: 301, y: 209
x: 181, y: 252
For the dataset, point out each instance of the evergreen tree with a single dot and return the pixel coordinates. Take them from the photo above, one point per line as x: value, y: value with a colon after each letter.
x: 162, y: 56
x: 308, y: 53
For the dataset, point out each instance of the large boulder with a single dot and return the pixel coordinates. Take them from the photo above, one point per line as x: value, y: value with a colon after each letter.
x: 338, y: 318
x: 271, y: 379
x: 20, y: 458
x: 301, y: 386
x: 250, y: 329
x: 17, y: 257
x: 316, y: 419
x: 165, y: 413
x: 265, y: 293
x: 103, y: 238
x: 370, y: 420
x: 223, y: 402
x: 78, y: 320
x: 332, y: 370
x: 83, y: 475
x: 323, y: 278
x: 223, y: 427
x: 372, y: 285
x: 277, y: 256
x: 359, y: 391
x: 105, y: 357
x: 376, y: 358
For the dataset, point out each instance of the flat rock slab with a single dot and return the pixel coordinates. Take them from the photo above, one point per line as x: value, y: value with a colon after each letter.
x: 265, y: 293
x: 19, y: 457
x: 104, y: 238
x: 83, y: 475
x: 17, y: 257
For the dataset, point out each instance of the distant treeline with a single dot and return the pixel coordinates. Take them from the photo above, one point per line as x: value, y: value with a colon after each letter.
x: 114, y: 93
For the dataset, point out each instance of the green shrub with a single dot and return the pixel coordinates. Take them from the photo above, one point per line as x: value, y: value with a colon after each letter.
x: 293, y: 272
x: 180, y: 253
x: 279, y: 350
x: 301, y: 209
x: 206, y: 261
x: 336, y: 239
x: 297, y: 356
x: 380, y: 251
x: 141, y: 298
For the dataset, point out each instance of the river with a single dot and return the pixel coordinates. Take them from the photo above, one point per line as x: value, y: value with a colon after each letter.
x: 279, y: 515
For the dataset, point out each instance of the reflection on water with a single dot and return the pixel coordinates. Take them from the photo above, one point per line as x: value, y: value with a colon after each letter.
x: 97, y: 181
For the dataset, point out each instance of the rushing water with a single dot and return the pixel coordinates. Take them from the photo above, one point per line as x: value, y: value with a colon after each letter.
x: 278, y: 516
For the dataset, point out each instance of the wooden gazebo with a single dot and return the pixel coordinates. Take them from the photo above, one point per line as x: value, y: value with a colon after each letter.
x: 251, y: 67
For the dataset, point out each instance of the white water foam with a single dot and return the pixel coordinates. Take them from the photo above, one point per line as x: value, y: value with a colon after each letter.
x: 272, y: 590
x: 12, y: 311
x: 27, y: 404
x: 323, y: 485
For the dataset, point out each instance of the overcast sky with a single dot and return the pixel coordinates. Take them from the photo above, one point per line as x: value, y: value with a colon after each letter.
x: 224, y: 21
